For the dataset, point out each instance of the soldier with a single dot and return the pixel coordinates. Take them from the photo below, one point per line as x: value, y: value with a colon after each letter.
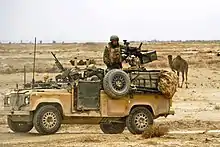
x: 112, y: 54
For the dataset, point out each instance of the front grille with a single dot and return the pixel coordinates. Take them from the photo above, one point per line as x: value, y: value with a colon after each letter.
x: 16, y: 100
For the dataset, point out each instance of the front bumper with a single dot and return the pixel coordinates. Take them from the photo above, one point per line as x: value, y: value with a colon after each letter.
x: 18, y: 116
x: 8, y: 112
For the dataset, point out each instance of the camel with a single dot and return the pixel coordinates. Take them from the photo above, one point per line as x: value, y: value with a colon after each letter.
x: 180, y: 65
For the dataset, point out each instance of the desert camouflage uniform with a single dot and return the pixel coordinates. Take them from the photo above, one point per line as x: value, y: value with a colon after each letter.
x: 112, y: 56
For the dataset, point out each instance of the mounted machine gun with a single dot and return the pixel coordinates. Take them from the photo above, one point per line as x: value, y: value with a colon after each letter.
x: 67, y: 75
x: 130, y: 53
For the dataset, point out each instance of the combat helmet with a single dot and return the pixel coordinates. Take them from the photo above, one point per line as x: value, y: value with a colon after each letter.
x: 114, y: 37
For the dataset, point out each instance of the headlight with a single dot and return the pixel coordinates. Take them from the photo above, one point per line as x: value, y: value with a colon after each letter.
x: 8, y: 100
x: 27, y: 100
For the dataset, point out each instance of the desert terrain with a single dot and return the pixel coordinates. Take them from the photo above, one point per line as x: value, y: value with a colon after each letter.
x: 197, y: 109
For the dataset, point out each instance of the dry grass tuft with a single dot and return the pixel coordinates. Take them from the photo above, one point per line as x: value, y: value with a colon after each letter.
x: 92, y: 61
x: 81, y: 62
x: 217, y: 107
x: 90, y: 139
x: 3, y: 119
x: 155, y: 131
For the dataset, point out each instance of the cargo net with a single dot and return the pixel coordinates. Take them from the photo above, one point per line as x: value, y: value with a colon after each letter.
x: 168, y: 82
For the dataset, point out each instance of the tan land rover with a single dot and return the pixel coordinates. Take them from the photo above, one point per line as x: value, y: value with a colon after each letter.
x: 114, y: 99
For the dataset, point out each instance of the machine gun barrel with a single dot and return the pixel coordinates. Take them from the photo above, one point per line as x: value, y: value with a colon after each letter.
x: 140, y: 45
x: 57, y: 62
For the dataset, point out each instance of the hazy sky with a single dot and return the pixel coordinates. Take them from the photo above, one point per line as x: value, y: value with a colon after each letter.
x: 96, y: 20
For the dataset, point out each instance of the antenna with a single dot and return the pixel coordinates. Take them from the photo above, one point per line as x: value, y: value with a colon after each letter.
x: 24, y: 75
x: 33, y: 81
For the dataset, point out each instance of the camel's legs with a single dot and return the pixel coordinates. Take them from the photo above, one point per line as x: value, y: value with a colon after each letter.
x: 186, y: 72
x: 186, y: 78
x: 182, y: 78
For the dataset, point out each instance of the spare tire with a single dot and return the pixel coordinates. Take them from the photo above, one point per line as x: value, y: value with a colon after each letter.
x: 116, y: 83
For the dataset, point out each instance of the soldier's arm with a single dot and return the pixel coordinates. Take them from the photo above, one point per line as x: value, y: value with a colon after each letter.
x: 106, y: 57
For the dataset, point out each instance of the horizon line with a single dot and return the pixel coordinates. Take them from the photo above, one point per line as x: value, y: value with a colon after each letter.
x: 100, y: 41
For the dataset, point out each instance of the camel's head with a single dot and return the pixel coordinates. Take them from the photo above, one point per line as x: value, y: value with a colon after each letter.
x: 170, y: 57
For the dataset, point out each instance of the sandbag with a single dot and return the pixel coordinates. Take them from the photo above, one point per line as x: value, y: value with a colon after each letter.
x: 168, y: 82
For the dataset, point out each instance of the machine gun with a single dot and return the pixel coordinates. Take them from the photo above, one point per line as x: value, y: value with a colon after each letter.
x: 57, y: 62
x: 67, y: 74
x: 128, y: 51
x: 144, y: 56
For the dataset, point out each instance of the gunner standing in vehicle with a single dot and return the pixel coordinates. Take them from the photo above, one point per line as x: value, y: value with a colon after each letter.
x: 112, y: 54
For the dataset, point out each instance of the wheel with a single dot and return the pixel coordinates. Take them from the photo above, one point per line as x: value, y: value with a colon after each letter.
x: 112, y: 128
x: 139, y: 119
x: 19, y: 127
x: 116, y: 83
x: 47, y: 120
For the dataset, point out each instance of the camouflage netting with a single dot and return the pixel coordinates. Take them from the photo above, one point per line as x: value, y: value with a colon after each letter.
x: 168, y: 82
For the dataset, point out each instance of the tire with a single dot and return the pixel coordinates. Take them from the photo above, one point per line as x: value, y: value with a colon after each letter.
x: 136, y: 114
x: 112, y: 88
x: 112, y: 128
x: 19, y: 127
x: 41, y: 120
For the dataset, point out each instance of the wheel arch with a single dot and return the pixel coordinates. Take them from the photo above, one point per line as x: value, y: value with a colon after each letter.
x: 149, y: 107
x: 45, y: 101
x: 55, y: 104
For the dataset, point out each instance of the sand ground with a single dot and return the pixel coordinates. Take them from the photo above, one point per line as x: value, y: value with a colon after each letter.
x: 196, y: 108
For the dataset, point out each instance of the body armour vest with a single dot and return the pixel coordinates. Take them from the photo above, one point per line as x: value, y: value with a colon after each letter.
x: 115, y: 55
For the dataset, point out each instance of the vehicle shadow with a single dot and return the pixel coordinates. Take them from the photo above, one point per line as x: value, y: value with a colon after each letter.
x: 58, y: 133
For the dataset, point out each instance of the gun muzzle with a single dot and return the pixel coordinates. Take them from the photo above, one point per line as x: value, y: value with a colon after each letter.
x: 140, y: 45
